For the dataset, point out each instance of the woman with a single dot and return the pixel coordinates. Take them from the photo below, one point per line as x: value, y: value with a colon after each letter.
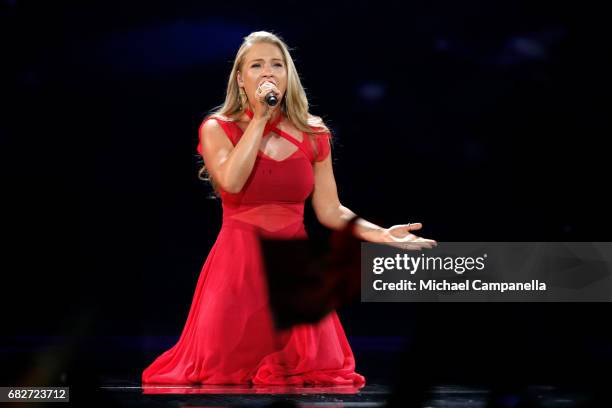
x: 264, y: 162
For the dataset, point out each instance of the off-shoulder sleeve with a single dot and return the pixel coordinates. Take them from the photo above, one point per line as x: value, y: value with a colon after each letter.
x: 323, y: 146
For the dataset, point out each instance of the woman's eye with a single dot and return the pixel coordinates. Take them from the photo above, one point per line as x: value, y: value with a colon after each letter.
x: 277, y: 65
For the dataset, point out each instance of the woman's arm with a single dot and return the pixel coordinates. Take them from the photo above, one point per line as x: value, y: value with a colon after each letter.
x: 230, y: 166
x: 328, y: 209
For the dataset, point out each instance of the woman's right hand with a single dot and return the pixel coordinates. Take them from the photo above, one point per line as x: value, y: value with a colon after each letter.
x: 262, y: 110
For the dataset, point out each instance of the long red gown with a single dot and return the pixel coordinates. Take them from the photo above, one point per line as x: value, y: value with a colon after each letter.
x: 229, y: 336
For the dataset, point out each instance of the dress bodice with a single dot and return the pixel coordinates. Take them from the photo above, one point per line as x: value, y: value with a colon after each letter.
x: 272, y: 199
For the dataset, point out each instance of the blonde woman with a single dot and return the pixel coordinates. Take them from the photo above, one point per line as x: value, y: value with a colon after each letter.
x: 264, y: 162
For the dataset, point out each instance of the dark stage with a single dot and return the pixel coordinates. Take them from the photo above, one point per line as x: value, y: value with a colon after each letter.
x: 486, y: 121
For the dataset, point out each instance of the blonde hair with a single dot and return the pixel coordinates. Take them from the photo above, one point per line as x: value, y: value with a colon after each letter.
x: 294, y: 103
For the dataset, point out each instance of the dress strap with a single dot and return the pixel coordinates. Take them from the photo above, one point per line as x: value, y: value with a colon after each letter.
x: 272, y: 126
x: 300, y: 145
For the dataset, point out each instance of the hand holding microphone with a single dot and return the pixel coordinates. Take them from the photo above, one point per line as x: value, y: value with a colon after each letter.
x: 267, y: 95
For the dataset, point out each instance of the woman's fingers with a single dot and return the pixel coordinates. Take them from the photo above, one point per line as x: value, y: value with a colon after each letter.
x: 414, y: 239
x: 429, y: 242
x: 400, y: 236
x: 406, y: 228
x: 266, y: 87
x: 262, y: 91
x: 426, y: 240
x: 411, y: 246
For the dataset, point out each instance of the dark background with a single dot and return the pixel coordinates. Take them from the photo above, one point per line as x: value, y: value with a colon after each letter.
x: 485, y: 121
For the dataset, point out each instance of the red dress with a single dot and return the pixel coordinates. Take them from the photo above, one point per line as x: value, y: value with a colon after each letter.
x: 229, y: 336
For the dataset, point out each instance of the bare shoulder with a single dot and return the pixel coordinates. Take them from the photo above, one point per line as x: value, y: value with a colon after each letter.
x: 212, y: 133
x: 210, y: 126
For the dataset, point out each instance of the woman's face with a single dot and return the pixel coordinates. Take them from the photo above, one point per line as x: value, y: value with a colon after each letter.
x: 262, y: 62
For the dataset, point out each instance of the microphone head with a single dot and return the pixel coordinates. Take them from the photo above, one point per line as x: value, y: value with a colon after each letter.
x: 271, y: 99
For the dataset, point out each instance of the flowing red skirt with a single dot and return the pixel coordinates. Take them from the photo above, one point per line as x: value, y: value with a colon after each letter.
x: 229, y: 336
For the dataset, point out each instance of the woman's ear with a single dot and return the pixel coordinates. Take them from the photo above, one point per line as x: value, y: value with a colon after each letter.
x: 239, y: 78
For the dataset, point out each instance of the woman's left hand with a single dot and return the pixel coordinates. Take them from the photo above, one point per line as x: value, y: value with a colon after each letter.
x: 400, y: 236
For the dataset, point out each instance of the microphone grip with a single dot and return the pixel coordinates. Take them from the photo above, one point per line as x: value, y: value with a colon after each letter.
x: 271, y: 99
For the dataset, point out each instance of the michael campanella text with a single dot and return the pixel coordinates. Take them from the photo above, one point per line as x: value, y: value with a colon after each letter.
x: 477, y: 284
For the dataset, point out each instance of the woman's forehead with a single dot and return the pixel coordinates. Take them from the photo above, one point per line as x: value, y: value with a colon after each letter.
x: 263, y: 51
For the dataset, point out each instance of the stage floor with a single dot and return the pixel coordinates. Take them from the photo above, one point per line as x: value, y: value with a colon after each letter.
x: 128, y: 394
x: 104, y: 372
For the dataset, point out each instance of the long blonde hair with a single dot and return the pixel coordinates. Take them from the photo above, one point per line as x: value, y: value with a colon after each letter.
x: 294, y: 103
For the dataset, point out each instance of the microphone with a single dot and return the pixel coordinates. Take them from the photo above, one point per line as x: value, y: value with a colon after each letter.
x: 271, y: 99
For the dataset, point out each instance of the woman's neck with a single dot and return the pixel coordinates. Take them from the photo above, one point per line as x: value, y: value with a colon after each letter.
x: 275, y: 115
